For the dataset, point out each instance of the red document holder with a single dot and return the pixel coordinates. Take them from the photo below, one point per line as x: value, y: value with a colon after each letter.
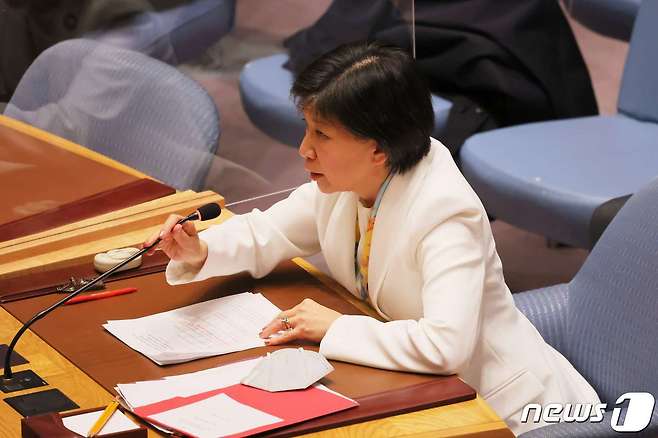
x: 291, y: 406
x: 50, y: 425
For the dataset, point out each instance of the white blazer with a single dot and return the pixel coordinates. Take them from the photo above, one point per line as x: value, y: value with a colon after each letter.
x: 434, y: 276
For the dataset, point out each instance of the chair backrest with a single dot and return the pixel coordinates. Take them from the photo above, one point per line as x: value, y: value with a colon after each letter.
x: 125, y: 105
x: 638, y: 96
x: 612, y: 321
x: 613, y: 18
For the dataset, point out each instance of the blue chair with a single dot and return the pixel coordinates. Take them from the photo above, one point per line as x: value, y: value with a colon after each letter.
x: 173, y: 35
x: 265, y: 92
x: 123, y: 104
x: 613, y: 18
x: 550, y: 177
x: 605, y: 320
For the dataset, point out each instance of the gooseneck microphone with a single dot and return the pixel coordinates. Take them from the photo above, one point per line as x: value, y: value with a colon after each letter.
x: 204, y: 213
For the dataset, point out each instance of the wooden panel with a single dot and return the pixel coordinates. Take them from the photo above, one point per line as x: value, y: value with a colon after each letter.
x: 145, y: 207
x: 66, y: 246
x: 38, y: 176
x: 107, y: 201
x: 68, y: 146
x: 473, y: 418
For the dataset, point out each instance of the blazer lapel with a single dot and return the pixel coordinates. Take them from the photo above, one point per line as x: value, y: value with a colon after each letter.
x: 338, y: 241
x: 391, y: 218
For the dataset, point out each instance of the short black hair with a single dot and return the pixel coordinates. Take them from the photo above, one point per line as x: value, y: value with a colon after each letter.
x: 376, y: 92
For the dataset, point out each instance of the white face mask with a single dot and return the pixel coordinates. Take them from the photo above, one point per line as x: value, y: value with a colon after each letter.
x: 288, y: 369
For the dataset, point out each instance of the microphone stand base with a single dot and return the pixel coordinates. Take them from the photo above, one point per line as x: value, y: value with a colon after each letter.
x: 21, y: 380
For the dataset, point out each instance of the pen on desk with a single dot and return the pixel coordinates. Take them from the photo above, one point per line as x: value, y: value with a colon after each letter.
x: 104, y: 418
x: 101, y: 295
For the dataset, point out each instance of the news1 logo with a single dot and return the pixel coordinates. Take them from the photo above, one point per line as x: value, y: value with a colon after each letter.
x: 638, y: 414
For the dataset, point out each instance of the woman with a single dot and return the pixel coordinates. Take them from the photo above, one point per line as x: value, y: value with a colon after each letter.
x: 399, y: 227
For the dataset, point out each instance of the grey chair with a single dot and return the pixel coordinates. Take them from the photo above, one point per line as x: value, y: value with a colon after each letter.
x: 125, y: 105
x: 172, y: 35
x: 551, y: 177
x: 265, y: 93
x: 613, y: 18
x: 605, y: 321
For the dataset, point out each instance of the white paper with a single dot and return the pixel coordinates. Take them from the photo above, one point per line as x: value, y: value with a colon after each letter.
x: 81, y: 424
x: 218, y: 326
x: 140, y: 394
x: 184, y: 385
x: 145, y: 393
x: 215, y: 416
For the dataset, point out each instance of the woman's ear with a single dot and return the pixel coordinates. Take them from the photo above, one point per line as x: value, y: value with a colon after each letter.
x: 379, y: 157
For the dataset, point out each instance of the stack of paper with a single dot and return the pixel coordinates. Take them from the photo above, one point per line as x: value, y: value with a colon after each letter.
x: 219, y: 326
x: 184, y: 385
x: 212, y: 403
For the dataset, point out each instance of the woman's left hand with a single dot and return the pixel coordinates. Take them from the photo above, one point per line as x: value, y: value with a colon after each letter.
x: 308, y: 320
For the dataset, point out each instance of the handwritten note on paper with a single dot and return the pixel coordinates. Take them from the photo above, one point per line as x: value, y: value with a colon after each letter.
x: 215, y: 416
x: 219, y: 326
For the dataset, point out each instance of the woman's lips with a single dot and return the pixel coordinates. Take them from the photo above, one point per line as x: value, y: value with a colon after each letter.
x: 315, y: 176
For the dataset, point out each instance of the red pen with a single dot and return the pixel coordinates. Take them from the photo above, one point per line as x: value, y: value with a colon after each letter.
x: 101, y: 295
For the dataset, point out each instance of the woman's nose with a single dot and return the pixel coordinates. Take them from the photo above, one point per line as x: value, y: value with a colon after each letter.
x: 305, y: 150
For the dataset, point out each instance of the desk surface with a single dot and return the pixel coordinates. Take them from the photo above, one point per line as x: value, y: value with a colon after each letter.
x: 64, y: 144
x: 30, y: 160
x: 471, y: 418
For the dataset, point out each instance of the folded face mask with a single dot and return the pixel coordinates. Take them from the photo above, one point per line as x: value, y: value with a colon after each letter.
x: 288, y: 369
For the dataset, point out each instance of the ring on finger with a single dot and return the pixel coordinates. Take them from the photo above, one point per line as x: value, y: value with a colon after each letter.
x: 286, y: 323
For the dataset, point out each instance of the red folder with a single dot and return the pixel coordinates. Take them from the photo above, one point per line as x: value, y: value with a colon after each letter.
x: 291, y: 406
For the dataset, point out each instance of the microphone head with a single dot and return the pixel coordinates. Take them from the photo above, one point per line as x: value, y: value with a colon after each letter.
x: 209, y: 211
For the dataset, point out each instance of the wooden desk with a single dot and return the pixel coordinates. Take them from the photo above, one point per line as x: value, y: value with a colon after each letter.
x: 67, y: 145
x: 473, y: 418
x: 467, y: 419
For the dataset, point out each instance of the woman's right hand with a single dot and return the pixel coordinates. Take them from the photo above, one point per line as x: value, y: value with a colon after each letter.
x: 180, y: 242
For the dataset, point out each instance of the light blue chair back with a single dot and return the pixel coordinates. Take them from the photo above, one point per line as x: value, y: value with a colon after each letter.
x: 638, y: 96
x: 612, y: 318
x: 172, y: 35
x: 125, y: 105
